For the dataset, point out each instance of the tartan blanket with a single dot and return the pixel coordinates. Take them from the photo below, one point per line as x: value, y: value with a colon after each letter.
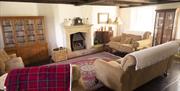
x: 42, y: 78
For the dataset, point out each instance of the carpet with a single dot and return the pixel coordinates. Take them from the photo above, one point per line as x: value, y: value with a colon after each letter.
x: 87, y: 69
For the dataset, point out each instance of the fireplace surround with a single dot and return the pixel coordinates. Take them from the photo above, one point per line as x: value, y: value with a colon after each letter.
x: 78, y: 37
x: 78, y: 41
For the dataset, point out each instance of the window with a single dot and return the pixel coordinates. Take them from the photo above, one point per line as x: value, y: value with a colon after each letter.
x: 142, y: 18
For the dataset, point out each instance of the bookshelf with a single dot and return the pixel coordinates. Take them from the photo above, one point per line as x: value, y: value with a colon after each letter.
x: 25, y: 36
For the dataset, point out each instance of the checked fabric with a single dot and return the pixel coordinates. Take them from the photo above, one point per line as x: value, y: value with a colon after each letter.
x: 42, y: 78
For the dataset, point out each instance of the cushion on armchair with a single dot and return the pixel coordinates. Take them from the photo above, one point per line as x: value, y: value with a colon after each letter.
x: 3, y: 55
x: 146, y: 35
x: 14, y: 63
x: 2, y: 68
x: 3, y: 58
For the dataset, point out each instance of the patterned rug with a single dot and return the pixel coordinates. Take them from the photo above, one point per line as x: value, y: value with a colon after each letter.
x: 87, y: 69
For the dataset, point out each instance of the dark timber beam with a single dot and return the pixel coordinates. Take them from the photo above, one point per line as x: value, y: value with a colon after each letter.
x: 120, y: 3
x: 48, y: 1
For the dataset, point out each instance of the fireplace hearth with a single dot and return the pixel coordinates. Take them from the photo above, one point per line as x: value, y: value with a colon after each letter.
x: 78, y: 41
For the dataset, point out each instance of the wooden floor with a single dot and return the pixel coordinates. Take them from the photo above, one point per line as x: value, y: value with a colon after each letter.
x: 169, y: 83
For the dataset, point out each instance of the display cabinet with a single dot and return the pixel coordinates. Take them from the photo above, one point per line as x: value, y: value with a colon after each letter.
x: 164, y: 26
x: 25, y: 36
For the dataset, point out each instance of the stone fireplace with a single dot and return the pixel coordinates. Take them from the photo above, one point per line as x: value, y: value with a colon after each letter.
x: 78, y: 37
x: 78, y: 41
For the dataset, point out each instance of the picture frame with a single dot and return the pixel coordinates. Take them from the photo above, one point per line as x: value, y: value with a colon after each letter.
x: 103, y: 18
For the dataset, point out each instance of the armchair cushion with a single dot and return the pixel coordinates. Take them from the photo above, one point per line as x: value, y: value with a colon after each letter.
x: 14, y: 63
x: 146, y: 35
x: 127, y: 40
x: 116, y: 39
x: 2, y: 68
x: 13, y: 56
x: 3, y: 56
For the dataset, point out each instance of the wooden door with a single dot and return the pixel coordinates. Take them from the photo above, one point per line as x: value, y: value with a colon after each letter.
x: 168, y: 26
x: 164, y: 24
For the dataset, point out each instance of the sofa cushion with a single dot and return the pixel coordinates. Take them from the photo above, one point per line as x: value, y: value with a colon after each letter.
x: 14, y: 63
x: 125, y: 39
x: 125, y: 48
x: 146, y: 35
x: 3, y: 58
x: 2, y: 68
x: 134, y: 37
x: 3, y: 55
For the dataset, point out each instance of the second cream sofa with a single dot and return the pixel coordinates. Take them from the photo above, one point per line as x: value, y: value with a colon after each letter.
x: 130, y: 42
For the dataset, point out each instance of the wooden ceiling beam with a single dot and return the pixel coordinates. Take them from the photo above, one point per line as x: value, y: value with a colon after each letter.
x: 137, y: 1
x: 116, y: 2
x: 48, y: 1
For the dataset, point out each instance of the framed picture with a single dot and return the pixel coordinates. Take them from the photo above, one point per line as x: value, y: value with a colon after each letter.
x: 103, y: 18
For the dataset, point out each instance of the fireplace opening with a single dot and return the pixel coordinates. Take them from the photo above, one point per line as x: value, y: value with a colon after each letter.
x: 78, y: 41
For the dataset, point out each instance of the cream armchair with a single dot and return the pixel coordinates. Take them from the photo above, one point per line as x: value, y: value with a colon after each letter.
x: 9, y: 62
x: 129, y: 42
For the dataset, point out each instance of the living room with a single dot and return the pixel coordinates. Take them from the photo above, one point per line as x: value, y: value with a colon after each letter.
x: 86, y: 36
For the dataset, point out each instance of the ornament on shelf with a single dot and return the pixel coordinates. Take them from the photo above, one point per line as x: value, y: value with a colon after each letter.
x: 67, y: 22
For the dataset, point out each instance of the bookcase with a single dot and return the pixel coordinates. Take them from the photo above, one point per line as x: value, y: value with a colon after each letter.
x: 164, y: 29
x: 25, y: 36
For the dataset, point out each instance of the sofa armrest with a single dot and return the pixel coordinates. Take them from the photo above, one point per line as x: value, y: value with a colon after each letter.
x: 2, y: 81
x: 13, y: 55
x: 75, y: 73
x: 109, y: 73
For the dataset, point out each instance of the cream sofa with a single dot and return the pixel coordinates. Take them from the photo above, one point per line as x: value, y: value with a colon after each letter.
x: 122, y: 75
x: 129, y: 42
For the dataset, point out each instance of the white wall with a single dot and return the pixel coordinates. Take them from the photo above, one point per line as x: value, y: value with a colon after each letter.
x: 47, y: 10
x: 112, y: 10
x: 65, y: 12
x: 54, y: 16
x: 16, y: 9
x: 138, y: 19
x: 127, y: 13
x: 71, y: 11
